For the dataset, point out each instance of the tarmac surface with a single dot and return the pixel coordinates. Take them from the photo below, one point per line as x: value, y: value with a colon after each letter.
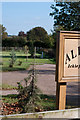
x: 45, y: 81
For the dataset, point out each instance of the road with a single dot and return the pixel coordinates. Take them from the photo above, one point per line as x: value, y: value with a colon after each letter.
x: 45, y: 81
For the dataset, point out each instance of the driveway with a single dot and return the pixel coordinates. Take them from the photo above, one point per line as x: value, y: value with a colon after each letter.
x: 45, y: 81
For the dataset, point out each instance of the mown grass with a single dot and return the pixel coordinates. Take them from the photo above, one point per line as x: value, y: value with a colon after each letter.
x: 21, y: 57
x: 7, y: 87
x: 21, y: 53
x: 4, y: 66
x: 12, y: 98
x: 48, y: 101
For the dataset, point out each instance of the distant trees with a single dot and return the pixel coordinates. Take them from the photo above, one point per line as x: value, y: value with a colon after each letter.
x: 39, y: 37
x: 21, y: 33
x: 37, y: 34
x: 14, y: 41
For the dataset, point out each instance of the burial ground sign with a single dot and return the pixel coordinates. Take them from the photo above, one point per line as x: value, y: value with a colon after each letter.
x: 67, y: 63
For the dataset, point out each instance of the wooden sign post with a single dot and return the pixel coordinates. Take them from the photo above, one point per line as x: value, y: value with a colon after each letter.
x: 67, y: 63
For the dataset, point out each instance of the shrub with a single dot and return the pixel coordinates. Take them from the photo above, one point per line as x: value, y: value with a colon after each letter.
x: 20, y: 62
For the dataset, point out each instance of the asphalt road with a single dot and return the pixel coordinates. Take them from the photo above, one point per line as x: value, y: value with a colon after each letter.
x: 45, y: 81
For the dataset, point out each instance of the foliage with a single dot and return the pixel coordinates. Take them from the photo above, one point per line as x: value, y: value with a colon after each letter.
x: 14, y: 41
x: 29, y: 94
x: 38, y: 37
x: 3, y: 34
x: 26, y: 51
x: 18, y: 66
x: 13, y: 58
x: 36, y: 34
x: 20, y: 62
x: 51, y: 41
x: 35, y: 37
x: 21, y: 33
x: 31, y: 49
x: 66, y: 15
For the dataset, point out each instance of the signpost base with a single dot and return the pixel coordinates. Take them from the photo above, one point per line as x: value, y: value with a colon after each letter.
x: 60, y: 95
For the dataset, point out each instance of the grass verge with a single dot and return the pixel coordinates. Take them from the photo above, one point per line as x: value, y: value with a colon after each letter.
x: 24, y: 64
x: 7, y: 87
x: 10, y: 104
x: 48, y: 101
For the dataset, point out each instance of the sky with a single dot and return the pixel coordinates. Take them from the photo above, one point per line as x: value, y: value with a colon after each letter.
x: 23, y: 16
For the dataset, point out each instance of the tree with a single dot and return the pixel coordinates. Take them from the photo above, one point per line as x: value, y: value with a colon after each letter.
x: 34, y: 36
x: 37, y: 34
x: 26, y: 51
x: 21, y: 33
x: 66, y: 15
x: 29, y: 94
x: 13, y: 58
x: 14, y: 41
x: 3, y: 34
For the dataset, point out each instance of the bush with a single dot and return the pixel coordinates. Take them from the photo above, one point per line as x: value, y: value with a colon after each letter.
x: 14, y: 41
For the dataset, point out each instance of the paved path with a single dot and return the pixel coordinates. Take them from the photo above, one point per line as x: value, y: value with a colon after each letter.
x: 46, y: 80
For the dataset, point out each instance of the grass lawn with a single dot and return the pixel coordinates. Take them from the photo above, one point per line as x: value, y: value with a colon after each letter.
x: 25, y: 64
x: 21, y: 53
x: 10, y: 103
x: 7, y: 53
x: 7, y: 87
x: 21, y: 57
x: 48, y: 101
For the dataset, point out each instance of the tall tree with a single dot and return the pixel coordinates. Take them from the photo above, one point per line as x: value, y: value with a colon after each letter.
x: 29, y: 95
x: 39, y: 37
x: 3, y: 32
x: 66, y: 15
x: 37, y: 34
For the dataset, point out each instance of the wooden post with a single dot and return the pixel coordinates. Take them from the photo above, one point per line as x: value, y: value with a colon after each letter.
x: 61, y: 95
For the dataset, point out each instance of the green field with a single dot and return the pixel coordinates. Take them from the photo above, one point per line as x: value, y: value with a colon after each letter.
x: 21, y: 57
x: 21, y: 53
x: 25, y: 64
x: 7, y: 87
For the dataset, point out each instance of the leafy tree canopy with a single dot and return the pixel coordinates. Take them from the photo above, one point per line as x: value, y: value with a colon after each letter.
x: 14, y: 41
x: 37, y: 34
x: 66, y: 15
x: 21, y: 33
x: 3, y: 34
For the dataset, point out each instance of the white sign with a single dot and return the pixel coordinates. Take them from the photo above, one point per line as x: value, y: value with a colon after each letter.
x: 72, y: 57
